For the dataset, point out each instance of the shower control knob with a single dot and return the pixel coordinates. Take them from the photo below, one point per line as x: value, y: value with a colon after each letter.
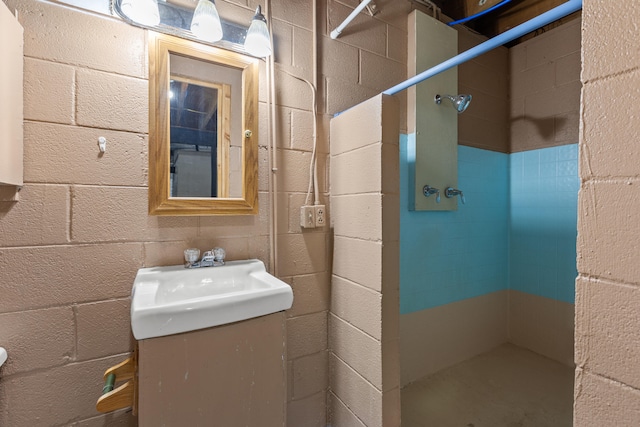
x: 450, y: 192
x: 428, y: 190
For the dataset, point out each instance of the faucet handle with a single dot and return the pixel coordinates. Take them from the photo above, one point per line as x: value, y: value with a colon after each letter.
x: 453, y: 192
x: 428, y: 190
x: 191, y: 257
x: 219, y: 254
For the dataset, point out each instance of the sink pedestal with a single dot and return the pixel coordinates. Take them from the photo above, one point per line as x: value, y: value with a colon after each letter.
x: 229, y: 375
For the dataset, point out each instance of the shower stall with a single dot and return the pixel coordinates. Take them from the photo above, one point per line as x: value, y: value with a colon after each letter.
x: 481, y: 296
x: 486, y: 291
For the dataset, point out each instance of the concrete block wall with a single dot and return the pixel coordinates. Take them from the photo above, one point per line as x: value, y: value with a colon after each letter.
x: 70, y: 249
x: 607, y: 389
x: 543, y: 210
x: 544, y: 126
x: 447, y: 272
x: 364, y: 350
x: 524, y: 205
x: 454, y: 267
x: 545, y: 89
x: 485, y: 123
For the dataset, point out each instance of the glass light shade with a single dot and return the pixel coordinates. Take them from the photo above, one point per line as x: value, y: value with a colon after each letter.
x: 144, y: 12
x: 206, y: 22
x: 257, y: 42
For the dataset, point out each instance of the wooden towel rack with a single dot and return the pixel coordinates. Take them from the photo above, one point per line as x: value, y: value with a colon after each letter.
x: 125, y: 395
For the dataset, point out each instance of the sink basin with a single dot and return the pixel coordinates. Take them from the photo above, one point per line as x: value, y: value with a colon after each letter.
x: 3, y: 356
x: 172, y: 300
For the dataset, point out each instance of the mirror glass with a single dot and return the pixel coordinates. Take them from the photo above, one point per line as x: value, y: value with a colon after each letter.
x: 194, y: 138
x: 206, y: 129
x: 203, y: 129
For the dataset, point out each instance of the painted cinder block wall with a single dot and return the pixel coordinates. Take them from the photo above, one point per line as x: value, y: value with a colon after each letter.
x: 607, y: 390
x: 502, y: 265
x: 544, y: 124
x: 70, y: 248
x: 446, y: 271
x: 363, y: 322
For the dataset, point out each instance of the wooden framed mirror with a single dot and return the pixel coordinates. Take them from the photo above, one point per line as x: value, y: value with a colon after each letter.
x: 203, y: 129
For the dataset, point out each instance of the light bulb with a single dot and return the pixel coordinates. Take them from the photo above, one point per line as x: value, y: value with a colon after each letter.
x: 205, y: 23
x: 144, y: 12
x: 257, y: 42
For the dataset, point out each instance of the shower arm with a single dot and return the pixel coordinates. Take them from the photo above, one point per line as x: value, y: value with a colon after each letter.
x: 531, y: 25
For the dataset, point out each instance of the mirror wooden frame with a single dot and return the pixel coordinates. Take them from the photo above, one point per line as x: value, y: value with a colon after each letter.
x: 161, y: 46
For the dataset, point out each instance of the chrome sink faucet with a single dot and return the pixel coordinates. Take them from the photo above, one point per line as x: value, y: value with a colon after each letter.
x: 212, y: 258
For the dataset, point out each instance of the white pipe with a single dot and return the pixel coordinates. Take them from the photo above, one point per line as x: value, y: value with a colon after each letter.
x: 271, y: 154
x: 336, y: 33
x: 531, y: 25
x: 314, y: 48
x: 272, y: 233
x: 274, y: 141
x: 314, y: 88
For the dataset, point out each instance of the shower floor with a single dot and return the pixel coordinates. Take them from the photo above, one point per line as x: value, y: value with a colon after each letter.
x: 506, y: 387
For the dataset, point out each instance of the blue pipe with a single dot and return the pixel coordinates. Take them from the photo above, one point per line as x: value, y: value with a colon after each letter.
x: 479, y: 14
x: 531, y: 25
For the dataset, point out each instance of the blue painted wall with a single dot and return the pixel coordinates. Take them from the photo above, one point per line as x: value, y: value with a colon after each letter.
x: 454, y: 255
x: 543, y: 214
x: 517, y: 229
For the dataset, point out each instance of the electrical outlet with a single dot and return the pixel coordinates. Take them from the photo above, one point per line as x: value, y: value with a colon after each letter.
x: 307, y: 217
x: 320, y: 215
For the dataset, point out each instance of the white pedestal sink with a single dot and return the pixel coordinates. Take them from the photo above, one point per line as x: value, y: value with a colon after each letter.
x: 3, y: 356
x: 172, y: 300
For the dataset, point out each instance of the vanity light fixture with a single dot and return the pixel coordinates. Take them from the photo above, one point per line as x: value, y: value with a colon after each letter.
x: 258, y: 42
x: 202, y: 24
x: 206, y: 22
x: 143, y: 11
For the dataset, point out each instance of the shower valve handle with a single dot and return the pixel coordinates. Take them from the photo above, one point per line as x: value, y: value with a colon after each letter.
x: 450, y: 192
x: 428, y: 190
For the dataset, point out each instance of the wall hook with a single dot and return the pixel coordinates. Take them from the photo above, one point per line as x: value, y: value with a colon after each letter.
x: 102, y: 144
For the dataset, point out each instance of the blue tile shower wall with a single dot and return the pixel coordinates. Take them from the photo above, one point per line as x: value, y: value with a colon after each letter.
x: 517, y: 229
x: 454, y: 255
x: 543, y: 218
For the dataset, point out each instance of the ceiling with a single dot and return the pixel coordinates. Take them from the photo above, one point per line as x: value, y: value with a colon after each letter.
x: 504, y: 18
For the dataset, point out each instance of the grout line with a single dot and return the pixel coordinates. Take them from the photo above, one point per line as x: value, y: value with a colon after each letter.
x: 354, y: 371
x: 613, y: 76
x: 71, y: 195
x: 67, y: 305
x: 96, y: 128
x: 335, y: 396
x: 346, y: 322
x: 74, y: 309
x: 74, y: 98
x: 606, y: 281
x: 45, y: 370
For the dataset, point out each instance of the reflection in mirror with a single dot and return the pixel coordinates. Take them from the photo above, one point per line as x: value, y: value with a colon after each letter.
x: 202, y: 101
x: 195, y: 140
x: 199, y: 136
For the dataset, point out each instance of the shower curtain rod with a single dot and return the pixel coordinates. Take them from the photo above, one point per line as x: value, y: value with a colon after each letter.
x: 519, y: 31
x: 336, y: 33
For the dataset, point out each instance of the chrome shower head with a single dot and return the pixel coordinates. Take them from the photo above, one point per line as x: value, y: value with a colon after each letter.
x: 460, y: 102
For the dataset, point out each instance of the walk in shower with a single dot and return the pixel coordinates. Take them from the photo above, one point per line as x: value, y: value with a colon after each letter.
x: 487, y: 290
x: 482, y: 288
